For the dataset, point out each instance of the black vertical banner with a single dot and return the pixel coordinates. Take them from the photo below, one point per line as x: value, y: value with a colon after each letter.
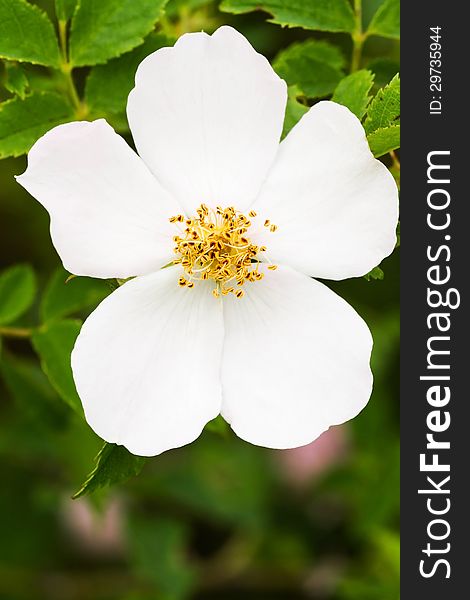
x: 435, y: 325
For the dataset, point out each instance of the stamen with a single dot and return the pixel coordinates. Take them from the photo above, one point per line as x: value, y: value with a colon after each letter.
x: 215, y: 246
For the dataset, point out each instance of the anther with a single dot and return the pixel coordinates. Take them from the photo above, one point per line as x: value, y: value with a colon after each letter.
x: 215, y: 245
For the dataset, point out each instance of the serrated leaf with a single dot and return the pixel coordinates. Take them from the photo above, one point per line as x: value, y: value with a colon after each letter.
x: 384, y: 110
x: 315, y: 67
x: 320, y: 51
x: 384, y: 140
x: 22, y: 122
x: 295, y: 110
x: 386, y: 21
x: 17, y: 291
x: 114, y: 464
x: 64, y: 9
x: 353, y: 92
x: 26, y: 34
x: 376, y: 273
x: 63, y: 297
x: 16, y: 81
x: 54, y: 343
x: 104, y: 29
x: 323, y: 15
x: 109, y: 85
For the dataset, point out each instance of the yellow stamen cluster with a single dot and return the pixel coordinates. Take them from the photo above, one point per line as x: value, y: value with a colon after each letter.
x: 214, y: 246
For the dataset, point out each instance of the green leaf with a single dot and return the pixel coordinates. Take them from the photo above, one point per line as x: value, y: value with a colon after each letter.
x: 384, y: 140
x: 104, y: 29
x: 109, y: 85
x: 376, y: 273
x: 26, y: 34
x: 17, y: 290
x: 64, y: 297
x: 22, y: 122
x: 114, y: 464
x: 64, y: 9
x: 384, y: 110
x: 386, y: 21
x: 353, y: 92
x: 316, y: 67
x: 323, y: 15
x: 54, y: 343
x: 294, y: 109
x: 16, y: 81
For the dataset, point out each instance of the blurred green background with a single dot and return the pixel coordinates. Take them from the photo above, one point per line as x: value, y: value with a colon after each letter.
x: 219, y: 519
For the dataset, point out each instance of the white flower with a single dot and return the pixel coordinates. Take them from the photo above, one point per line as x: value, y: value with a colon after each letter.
x: 157, y: 360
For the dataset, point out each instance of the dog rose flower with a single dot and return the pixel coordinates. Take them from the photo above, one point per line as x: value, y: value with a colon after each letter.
x: 234, y: 324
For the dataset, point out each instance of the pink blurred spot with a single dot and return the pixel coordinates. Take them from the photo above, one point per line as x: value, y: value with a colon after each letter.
x: 96, y: 532
x: 302, y: 465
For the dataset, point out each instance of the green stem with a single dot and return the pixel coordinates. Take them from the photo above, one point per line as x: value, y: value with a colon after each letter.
x: 81, y: 110
x: 63, y: 40
x: 358, y: 37
x: 16, y: 332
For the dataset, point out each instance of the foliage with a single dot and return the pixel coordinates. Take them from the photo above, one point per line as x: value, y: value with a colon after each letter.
x: 27, y: 34
x: 315, y: 67
x: 109, y: 85
x: 383, y: 119
x: 24, y: 120
x: 17, y: 290
x: 221, y: 518
x: 53, y: 343
x: 322, y: 15
x: 114, y: 464
x: 16, y: 81
x: 386, y: 21
x: 105, y: 29
x: 353, y: 92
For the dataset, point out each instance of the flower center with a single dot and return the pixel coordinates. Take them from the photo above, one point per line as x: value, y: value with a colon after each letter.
x: 214, y: 245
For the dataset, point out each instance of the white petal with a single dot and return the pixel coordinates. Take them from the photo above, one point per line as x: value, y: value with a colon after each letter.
x: 109, y: 216
x: 336, y: 206
x: 146, y: 363
x: 206, y: 116
x: 296, y: 360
